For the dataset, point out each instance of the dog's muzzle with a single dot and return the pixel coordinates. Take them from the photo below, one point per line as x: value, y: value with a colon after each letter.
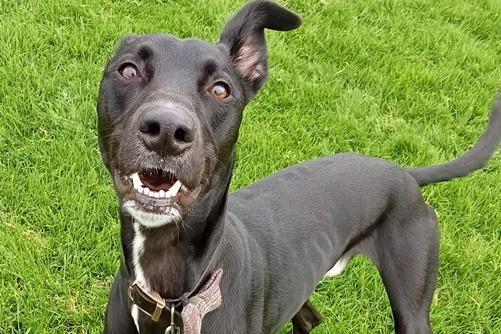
x: 155, y: 197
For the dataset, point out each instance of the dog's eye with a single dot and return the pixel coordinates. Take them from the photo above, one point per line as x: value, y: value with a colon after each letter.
x: 220, y: 90
x: 129, y: 71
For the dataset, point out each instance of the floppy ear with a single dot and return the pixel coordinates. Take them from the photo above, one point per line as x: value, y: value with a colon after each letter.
x: 243, y: 36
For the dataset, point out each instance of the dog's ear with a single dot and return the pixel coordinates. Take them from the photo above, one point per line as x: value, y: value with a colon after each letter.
x: 243, y: 36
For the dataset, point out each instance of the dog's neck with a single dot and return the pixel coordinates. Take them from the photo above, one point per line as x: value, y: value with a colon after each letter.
x: 171, y: 259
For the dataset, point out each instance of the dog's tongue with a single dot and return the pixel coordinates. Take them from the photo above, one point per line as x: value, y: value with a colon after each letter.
x: 157, y: 180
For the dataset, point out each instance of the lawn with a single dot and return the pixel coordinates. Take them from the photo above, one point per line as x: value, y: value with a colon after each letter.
x: 408, y: 81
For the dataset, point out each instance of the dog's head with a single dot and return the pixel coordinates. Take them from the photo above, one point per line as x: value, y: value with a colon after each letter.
x: 170, y: 110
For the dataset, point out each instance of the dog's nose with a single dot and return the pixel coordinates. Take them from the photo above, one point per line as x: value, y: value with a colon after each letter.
x: 166, y: 131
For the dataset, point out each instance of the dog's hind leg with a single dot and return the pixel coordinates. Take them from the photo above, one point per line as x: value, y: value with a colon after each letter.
x: 306, y: 319
x: 406, y: 254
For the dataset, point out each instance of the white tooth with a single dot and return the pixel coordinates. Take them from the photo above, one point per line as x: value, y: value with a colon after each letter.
x: 156, y: 194
x: 136, y: 180
x: 162, y: 193
x: 174, y: 189
x: 146, y: 191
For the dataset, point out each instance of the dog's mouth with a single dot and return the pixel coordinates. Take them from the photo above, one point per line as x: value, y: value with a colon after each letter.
x: 155, y: 191
x: 157, y: 183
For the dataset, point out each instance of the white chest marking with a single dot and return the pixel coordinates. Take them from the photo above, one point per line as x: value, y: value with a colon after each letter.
x: 137, y: 251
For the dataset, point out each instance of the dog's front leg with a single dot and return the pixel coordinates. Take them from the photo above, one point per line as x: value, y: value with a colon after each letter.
x: 306, y: 319
x: 118, y: 317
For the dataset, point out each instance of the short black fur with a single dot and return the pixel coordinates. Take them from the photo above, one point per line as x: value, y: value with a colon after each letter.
x: 274, y: 239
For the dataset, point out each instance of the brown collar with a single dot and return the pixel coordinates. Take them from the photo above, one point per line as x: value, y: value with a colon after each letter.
x: 204, y: 298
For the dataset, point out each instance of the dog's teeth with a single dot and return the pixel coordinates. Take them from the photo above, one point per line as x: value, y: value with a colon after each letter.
x: 172, y: 192
x: 136, y: 180
x: 174, y: 189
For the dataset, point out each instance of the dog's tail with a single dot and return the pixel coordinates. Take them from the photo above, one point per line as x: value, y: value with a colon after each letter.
x: 472, y: 160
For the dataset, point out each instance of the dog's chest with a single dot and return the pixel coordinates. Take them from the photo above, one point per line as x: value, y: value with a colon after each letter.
x: 153, y: 268
x: 156, y: 263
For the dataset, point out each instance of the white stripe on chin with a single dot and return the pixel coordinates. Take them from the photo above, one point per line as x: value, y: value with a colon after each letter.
x: 149, y: 219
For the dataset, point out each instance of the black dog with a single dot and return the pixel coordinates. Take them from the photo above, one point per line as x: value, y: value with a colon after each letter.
x: 169, y: 115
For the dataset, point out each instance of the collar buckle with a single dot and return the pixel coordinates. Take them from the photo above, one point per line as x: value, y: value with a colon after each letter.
x: 150, y: 303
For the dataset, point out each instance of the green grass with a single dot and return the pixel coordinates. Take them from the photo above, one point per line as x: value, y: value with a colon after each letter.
x: 408, y: 81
